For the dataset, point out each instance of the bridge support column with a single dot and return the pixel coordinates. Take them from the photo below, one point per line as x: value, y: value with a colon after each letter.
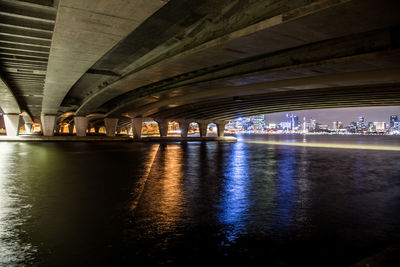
x: 137, y: 127
x: 70, y: 128
x: 81, y: 124
x: 163, y: 127
x: 184, y: 127
x: 128, y: 129
x: 96, y: 129
x: 221, y: 128
x: 11, y: 122
x: 111, y: 126
x: 28, y: 127
x: 203, y: 128
x: 48, y: 123
x: 57, y: 128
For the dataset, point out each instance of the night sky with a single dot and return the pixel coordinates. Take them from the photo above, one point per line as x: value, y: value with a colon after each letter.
x: 345, y: 115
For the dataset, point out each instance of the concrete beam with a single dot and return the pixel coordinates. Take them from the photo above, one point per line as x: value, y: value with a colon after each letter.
x: 111, y: 126
x: 22, y: 9
x: 11, y: 122
x: 227, y: 109
x: 328, y: 80
x: 84, y: 32
x: 47, y: 123
x: 8, y: 101
x: 269, y: 35
x: 81, y: 124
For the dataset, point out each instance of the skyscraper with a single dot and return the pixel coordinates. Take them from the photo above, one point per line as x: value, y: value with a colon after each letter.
x: 380, y: 126
x: 361, y: 126
x: 259, y: 122
x: 337, y: 125
x: 393, y: 120
x: 293, y: 121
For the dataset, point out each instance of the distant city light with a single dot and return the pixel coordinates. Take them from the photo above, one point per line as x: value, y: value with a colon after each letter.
x: 292, y: 124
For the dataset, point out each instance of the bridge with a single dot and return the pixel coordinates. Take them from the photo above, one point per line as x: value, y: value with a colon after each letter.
x: 94, y: 63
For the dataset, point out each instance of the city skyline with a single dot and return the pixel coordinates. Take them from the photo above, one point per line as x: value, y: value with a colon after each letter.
x: 346, y: 115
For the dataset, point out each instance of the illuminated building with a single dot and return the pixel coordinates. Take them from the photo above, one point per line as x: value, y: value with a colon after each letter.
x: 293, y: 121
x: 371, y: 127
x: 258, y: 123
x: 337, y: 125
x: 393, y: 120
x: 352, y: 127
x: 285, y: 125
x: 313, y: 125
x: 323, y: 127
x: 380, y: 126
x: 305, y: 129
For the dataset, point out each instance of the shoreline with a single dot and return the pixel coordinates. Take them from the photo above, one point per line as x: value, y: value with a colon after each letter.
x: 66, y: 138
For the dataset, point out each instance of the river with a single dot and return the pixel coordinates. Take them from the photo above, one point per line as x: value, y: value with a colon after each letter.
x: 255, y: 201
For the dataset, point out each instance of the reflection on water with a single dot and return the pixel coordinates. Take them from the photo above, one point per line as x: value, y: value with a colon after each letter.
x: 235, y: 202
x: 14, y: 207
x: 143, y: 175
x: 167, y: 208
x: 286, y: 194
x: 173, y: 203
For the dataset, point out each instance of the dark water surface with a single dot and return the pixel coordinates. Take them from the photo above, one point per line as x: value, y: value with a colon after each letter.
x: 82, y: 204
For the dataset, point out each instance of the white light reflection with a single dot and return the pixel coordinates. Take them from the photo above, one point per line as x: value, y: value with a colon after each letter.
x: 6, y: 250
x: 327, y: 145
x: 286, y: 189
x: 235, y: 203
x: 12, y: 250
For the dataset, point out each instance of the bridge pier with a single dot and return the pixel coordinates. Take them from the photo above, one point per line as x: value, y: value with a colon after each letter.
x: 163, y: 127
x: 97, y: 129
x: 128, y: 129
x: 11, y: 122
x: 203, y: 128
x: 57, y: 128
x: 221, y: 128
x: 70, y: 128
x: 111, y: 126
x: 81, y: 124
x: 137, y: 127
x: 28, y: 127
x: 47, y: 123
x: 184, y: 127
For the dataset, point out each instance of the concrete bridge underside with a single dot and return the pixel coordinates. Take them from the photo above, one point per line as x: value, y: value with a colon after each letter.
x: 116, y: 63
